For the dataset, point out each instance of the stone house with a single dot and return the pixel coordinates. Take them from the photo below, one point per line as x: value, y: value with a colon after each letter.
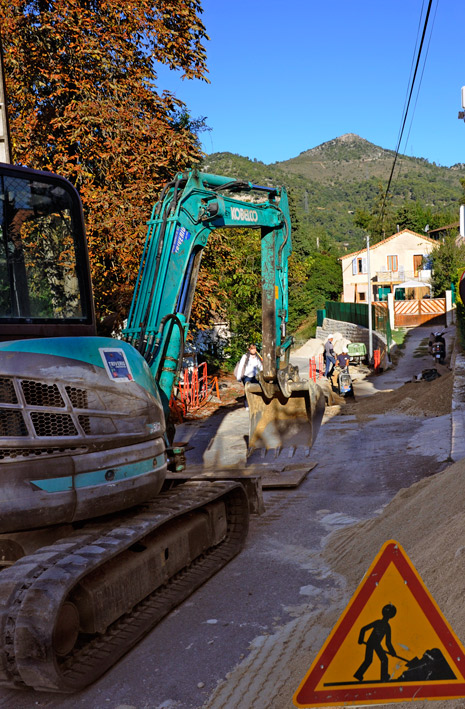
x: 400, y: 259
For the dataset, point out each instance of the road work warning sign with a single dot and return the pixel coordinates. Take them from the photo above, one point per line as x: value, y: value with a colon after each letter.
x: 391, y: 644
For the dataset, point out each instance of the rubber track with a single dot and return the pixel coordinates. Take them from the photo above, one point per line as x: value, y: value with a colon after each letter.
x: 33, y: 589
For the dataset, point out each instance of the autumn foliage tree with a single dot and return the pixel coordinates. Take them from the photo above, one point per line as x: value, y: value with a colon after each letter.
x: 83, y: 101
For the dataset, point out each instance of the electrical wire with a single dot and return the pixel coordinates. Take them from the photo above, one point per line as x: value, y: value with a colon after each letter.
x: 412, y: 64
x: 404, y: 120
x: 418, y: 89
x: 421, y: 77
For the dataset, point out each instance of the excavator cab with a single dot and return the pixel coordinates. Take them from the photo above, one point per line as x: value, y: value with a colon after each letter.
x: 45, y: 288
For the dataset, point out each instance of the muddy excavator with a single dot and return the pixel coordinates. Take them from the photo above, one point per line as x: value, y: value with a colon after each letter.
x: 95, y: 546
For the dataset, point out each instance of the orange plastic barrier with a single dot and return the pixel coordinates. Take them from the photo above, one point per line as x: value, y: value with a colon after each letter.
x: 316, y: 371
x: 312, y: 372
x: 194, y: 390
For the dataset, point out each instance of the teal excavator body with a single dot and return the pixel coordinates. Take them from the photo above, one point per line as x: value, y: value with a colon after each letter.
x: 85, y: 438
x: 83, y: 420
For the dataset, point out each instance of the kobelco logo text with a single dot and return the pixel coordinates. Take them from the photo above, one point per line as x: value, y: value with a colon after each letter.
x: 244, y: 215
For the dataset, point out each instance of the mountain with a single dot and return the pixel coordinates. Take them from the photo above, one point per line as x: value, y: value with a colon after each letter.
x: 330, y: 182
x: 352, y: 158
x: 348, y: 157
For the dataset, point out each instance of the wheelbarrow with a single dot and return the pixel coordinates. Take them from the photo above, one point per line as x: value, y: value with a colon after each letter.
x: 357, y: 352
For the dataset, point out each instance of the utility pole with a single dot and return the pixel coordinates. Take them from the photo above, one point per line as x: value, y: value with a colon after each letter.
x: 462, y: 113
x: 462, y: 207
x: 370, y: 323
x: 5, y: 152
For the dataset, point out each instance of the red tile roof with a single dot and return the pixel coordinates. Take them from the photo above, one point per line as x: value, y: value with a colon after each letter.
x: 379, y: 243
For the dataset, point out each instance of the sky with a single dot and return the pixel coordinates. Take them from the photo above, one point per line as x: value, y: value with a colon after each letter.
x: 289, y: 75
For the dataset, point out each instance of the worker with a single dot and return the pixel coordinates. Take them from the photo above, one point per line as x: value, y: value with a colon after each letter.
x: 249, y: 366
x: 343, y: 358
x: 381, y: 630
x: 330, y: 357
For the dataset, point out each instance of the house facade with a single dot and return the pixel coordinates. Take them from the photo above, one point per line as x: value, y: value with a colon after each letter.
x: 400, y: 259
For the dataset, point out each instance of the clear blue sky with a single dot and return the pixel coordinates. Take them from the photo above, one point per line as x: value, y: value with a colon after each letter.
x: 287, y: 76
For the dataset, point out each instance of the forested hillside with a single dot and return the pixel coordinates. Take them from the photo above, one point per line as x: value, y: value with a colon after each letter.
x: 336, y: 182
x: 336, y: 195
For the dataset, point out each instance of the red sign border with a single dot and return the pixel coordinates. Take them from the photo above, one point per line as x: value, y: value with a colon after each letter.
x: 391, y: 552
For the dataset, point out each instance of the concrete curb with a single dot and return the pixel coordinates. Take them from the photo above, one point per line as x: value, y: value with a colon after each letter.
x: 457, y: 449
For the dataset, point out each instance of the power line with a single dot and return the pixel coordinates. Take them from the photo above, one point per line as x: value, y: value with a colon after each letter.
x: 412, y: 63
x: 406, y: 109
x: 421, y: 76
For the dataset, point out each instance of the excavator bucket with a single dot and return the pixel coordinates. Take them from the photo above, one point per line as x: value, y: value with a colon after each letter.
x: 279, y: 421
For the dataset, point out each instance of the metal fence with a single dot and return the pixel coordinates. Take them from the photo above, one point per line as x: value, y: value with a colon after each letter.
x: 357, y: 313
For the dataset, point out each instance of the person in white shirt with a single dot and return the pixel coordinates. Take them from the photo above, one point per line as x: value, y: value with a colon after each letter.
x: 249, y: 366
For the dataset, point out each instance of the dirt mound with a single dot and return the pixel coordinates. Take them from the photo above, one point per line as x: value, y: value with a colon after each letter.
x: 420, y: 398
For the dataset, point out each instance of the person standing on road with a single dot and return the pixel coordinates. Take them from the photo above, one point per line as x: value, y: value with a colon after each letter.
x: 330, y: 357
x: 249, y: 366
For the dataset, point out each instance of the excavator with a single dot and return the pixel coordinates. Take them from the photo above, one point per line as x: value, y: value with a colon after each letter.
x: 96, y: 545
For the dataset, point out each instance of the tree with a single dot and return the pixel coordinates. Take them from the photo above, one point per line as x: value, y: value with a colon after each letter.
x: 83, y: 101
x: 322, y: 281
x: 379, y: 221
x: 447, y: 258
x: 230, y: 273
x: 413, y: 215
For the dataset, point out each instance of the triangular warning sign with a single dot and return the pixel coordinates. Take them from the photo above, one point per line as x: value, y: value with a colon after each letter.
x: 391, y: 644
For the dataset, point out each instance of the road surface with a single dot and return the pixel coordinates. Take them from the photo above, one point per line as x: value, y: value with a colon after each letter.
x: 249, y: 615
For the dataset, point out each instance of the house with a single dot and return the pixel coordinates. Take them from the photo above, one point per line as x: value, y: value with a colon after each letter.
x: 400, y: 259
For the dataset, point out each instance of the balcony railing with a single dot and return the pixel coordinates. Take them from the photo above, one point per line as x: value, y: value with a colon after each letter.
x: 401, y: 276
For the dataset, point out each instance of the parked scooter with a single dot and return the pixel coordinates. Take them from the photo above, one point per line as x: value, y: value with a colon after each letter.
x: 437, y: 345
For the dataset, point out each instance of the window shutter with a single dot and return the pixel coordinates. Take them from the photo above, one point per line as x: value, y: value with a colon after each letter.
x: 364, y: 265
x: 354, y: 266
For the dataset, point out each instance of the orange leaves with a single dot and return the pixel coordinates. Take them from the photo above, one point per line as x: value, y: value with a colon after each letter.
x: 83, y: 102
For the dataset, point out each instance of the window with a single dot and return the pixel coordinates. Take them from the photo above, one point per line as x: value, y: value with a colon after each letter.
x: 362, y: 296
x: 417, y: 264
x: 359, y: 265
x: 42, y: 264
x: 392, y: 263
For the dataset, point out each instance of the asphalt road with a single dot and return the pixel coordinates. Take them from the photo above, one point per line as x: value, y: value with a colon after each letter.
x: 279, y: 575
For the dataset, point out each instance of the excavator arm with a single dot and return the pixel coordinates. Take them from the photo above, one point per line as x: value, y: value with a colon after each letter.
x: 189, y: 209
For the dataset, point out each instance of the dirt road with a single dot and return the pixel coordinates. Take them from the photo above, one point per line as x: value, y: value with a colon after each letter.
x: 246, y: 638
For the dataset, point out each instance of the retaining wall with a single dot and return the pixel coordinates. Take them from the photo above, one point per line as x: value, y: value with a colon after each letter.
x: 354, y: 333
